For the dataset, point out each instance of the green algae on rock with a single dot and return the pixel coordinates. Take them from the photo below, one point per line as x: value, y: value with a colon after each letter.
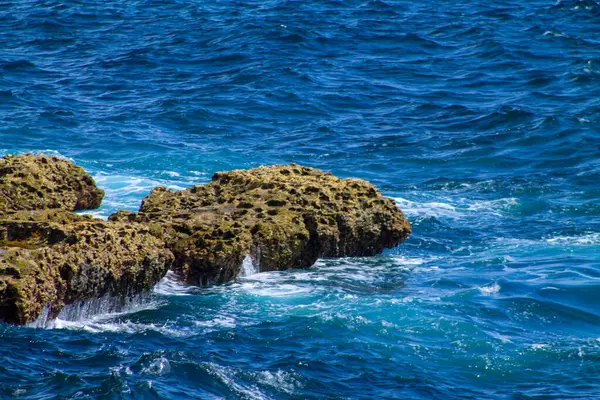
x: 282, y: 216
x: 37, y: 182
x: 51, y: 259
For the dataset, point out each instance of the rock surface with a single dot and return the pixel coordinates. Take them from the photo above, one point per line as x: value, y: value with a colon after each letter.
x: 50, y: 257
x: 37, y: 182
x: 53, y: 258
x: 283, y: 216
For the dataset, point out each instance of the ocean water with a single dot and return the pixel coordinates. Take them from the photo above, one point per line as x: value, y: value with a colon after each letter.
x: 482, y: 120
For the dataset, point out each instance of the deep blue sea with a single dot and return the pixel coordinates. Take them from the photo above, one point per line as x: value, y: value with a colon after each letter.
x: 482, y: 120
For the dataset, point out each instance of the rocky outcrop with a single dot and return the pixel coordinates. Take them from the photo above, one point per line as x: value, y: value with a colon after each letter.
x: 52, y: 258
x: 37, y: 182
x: 282, y: 216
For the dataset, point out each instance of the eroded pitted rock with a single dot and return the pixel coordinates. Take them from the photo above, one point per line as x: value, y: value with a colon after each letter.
x: 53, y: 258
x: 283, y: 216
x: 50, y: 257
x: 37, y: 182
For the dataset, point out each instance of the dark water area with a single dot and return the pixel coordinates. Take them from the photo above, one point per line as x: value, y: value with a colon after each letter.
x: 482, y: 120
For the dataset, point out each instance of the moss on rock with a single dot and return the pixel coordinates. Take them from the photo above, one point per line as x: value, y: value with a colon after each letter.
x: 283, y: 216
x: 53, y: 259
x: 50, y: 257
x: 37, y: 182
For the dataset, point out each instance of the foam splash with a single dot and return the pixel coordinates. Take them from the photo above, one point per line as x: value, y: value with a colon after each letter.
x: 280, y: 380
x: 126, y: 192
x: 575, y: 241
x: 426, y: 209
x: 490, y: 290
x: 158, y: 366
x: 230, y: 377
x: 171, y: 285
x: 248, y: 268
x: 91, y: 312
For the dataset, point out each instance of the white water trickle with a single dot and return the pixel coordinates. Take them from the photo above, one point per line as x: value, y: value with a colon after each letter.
x: 248, y: 267
x: 93, y: 311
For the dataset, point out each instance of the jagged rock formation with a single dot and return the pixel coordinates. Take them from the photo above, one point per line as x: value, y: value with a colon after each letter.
x: 54, y: 258
x: 283, y: 216
x: 49, y: 256
x: 37, y: 182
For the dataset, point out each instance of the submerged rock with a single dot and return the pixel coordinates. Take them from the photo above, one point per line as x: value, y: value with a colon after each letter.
x: 283, y: 216
x: 50, y: 259
x: 37, y: 182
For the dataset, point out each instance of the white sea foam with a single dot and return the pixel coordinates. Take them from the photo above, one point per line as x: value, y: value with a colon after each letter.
x: 426, y: 209
x: 490, y: 290
x: 587, y: 239
x: 126, y: 192
x: 124, y: 185
x: 230, y: 378
x: 273, y: 284
x: 127, y: 327
x: 455, y: 208
x: 95, y: 315
x: 284, y: 381
x: 218, y: 322
x: 171, y: 285
x: 559, y: 241
x: 248, y: 267
x: 158, y: 366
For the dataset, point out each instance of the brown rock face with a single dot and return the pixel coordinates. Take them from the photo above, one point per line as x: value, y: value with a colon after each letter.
x: 283, y: 216
x: 50, y: 257
x: 37, y: 182
x: 53, y: 258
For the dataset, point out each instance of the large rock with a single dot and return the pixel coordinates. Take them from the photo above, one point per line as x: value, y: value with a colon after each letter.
x: 283, y: 216
x: 52, y: 258
x: 37, y: 182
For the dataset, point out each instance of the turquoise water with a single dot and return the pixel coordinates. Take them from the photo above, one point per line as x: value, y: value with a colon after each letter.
x: 480, y: 119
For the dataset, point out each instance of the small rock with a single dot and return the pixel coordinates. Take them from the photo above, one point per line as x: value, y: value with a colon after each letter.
x: 37, y: 182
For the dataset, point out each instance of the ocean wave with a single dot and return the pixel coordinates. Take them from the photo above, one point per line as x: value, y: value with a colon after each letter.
x: 230, y: 377
x: 127, y: 192
x: 586, y: 239
x: 490, y: 289
x: 172, y: 285
x: 480, y: 117
x: 457, y: 208
x: 582, y: 240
